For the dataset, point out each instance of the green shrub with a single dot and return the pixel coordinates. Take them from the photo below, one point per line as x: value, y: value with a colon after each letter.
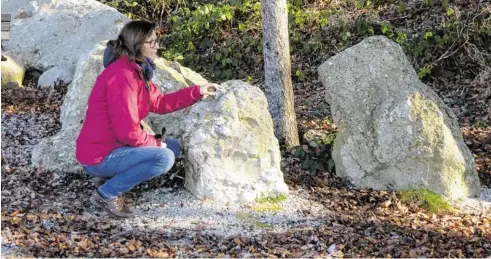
x: 315, y: 156
x: 223, y: 39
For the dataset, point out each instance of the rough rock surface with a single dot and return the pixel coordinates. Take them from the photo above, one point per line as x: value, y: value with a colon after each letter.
x: 47, y: 33
x: 232, y: 153
x: 62, y: 157
x: 395, y: 132
x: 170, y: 77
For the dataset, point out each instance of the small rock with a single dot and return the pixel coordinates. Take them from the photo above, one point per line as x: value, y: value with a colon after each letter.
x: 331, y: 249
x: 315, y: 135
x: 53, y: 75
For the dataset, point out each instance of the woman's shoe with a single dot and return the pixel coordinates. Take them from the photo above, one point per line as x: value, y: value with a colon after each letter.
x: 115, y: 206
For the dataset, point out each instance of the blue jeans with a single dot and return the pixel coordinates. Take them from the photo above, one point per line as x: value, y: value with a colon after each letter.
x: 128, y: 166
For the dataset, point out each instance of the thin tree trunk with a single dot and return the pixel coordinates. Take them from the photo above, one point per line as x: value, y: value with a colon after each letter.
x: 277, y: 70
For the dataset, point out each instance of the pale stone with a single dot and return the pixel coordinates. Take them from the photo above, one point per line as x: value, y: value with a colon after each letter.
x: 48, y: 33
x: 231, y: 151
x: 53, y: 75
x: 395, y: 132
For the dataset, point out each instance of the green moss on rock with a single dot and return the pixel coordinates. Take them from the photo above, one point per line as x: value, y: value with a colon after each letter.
x: 274, y: 200
x: 426, y: 199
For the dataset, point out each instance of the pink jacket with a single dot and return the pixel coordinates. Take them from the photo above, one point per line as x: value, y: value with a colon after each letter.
x: 117, y: 104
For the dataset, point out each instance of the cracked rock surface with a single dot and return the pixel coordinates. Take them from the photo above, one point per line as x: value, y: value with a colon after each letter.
x: 395, y: 132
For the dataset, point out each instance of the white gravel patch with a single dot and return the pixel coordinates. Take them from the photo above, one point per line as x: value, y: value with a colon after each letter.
x: 169, y: 211
x: 476, y: 206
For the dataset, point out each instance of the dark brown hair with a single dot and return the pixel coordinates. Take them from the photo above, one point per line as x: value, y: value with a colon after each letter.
x: 131, y: 39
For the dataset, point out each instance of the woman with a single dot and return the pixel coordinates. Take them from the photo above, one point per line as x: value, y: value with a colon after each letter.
x: 111, y: 143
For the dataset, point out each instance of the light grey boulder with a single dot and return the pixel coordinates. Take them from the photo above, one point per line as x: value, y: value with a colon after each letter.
x: 74, y: 106
x: 231, y: 151
x: 47, y: 33
x: 58, y: 152
x: 53, y: 75
x: 394, y: 131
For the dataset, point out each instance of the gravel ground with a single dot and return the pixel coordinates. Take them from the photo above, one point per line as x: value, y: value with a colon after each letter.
x: 476, y: 206
x: 180, y: 210
x: 167, y: 209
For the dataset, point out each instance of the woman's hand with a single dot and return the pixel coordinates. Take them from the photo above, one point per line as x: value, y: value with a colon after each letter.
x: 163, y: 145
x: 209, y: 89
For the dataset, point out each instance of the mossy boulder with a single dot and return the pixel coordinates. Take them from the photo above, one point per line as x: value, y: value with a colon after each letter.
x: 394, y: 131
x: 232, y: 152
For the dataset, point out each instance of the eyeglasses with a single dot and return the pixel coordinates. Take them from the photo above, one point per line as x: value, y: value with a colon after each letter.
x: 153, y: 43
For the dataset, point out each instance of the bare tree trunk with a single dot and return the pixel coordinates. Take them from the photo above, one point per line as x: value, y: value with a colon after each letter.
x: 277, y: 70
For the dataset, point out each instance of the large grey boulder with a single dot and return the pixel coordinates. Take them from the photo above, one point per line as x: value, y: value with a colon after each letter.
x: 74, y: 106
x: 58, y: 152
x: 47, y: 33
x: 231, y: 151
x: 395, y: 132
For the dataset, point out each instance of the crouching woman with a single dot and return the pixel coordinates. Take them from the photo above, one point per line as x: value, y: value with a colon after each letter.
x: 111, y: 143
